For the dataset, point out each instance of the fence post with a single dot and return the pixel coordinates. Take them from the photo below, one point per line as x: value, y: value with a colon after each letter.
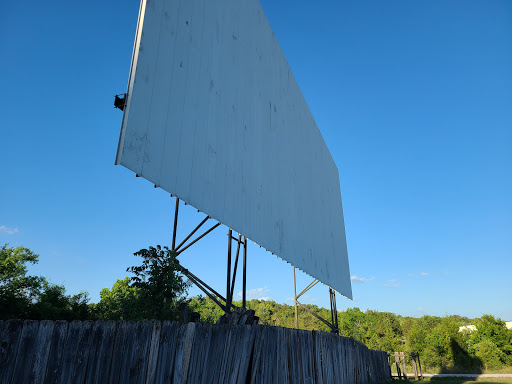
x: 402, y: 357
x: 419, y: 364
x: 414, y: 367
x: 389, y: 365
x: 397, y: 363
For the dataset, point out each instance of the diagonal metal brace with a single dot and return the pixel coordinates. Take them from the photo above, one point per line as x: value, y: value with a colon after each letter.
x: 199, y: 238
x: 311, y: 285
x: 318, y: 317
x: 192, y: 233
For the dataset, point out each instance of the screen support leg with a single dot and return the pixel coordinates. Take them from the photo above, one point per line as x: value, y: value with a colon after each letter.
x: 231, y: 276
x: 333, y: 325
x: 244, y: 275
x: 295, y: 300
x: 182, y: 246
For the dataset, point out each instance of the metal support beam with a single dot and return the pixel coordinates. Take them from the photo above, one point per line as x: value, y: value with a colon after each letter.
x: 209, y: 291
x: 228, y: 276
x: 244, y: 276
x: 318, y: 317
x: 334, y: 311
x: 198, y: 284
x: 295, y: 300
x: 239, y: 240
x: 175, y: 223
x: 199, y: 238
x: 188, y: 274
x: 333, y: 325
x: 191, y: 233
x: 311, y: 285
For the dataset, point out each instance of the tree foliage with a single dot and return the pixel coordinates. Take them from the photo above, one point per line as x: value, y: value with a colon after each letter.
x: 33, y: 297
x: 122, y: 302
x: 160, y: 284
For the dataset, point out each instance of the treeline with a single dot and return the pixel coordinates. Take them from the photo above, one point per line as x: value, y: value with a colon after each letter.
x: 158, y: 287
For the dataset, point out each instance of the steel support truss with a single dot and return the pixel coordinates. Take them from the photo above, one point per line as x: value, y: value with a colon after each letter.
x: 333, y: 325
x: 226, y: 303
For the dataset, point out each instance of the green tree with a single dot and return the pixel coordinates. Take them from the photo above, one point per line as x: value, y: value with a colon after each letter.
x: 122, y: 302
x: 489, y: 353
x: 17, y: 289
x: 33, y: 297
x: 491, y: 336
x: 53, y: 304
x: 160, y: 283
x: 208, y: 310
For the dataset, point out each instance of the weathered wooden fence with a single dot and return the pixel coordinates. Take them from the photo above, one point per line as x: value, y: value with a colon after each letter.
x: 400, y: 364
x: 169, y: 352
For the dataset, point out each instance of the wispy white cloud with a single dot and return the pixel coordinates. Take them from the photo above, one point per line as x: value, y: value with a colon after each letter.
x: 356, y: 279
x: 305, y: 298
x: 256, y: 293
x: 392, y: 283
x: 9, y: 231
x: 417, y: 275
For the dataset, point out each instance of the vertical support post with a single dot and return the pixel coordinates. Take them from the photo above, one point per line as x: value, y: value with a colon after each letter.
x: 235, y: 267
x: 334, y: 310
x: 228, y: 286
x: 175, y: 223
x: 332, y: 306
x: 244, y: 277
x: 295, y: 300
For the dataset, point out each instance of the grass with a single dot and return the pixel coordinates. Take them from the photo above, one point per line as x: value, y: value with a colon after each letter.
x: 409, y: 370
x: 460, y: 380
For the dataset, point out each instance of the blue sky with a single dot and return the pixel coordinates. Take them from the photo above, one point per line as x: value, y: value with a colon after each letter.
x: 414, y: 100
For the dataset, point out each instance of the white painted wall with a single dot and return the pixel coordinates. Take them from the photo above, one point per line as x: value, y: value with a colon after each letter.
x: 214, y: 115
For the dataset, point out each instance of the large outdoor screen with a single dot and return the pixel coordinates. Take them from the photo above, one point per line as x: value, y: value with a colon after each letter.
x: 214, y: 116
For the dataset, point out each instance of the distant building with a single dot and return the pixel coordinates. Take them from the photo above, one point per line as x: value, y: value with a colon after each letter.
x: 472, y: 328
x: 467, y: 328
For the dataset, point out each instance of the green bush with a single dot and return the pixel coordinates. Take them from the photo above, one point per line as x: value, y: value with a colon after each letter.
x: 489, y: 354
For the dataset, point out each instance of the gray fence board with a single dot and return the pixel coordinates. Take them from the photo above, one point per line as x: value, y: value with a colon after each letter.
x: 93, y: 361
x: 55, y: 358
x: 118, y: 354
x: 25, y: 355
x: 306, y: 342
x: 139, y: 357
x: 198, y: 353
x: 246, y: 352
x: 153, y: 352
x: 100, y: 357
x: 41, y: 351
x: 127, y: 353
x: 9, y: 342
x: 82, y: 353
x: 166, y: 352
x: 69, y: 354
